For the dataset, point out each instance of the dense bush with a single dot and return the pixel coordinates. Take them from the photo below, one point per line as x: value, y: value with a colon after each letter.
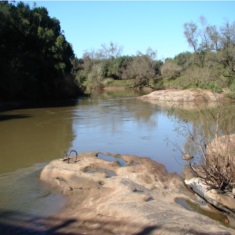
x: 36, y: 61
x: 170, y: 70
x: 35, y: 57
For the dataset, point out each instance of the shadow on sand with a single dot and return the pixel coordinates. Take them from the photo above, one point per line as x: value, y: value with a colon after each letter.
x: 17, y: 223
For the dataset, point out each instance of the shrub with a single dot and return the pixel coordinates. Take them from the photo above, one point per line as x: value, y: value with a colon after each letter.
x: 231, y: 95
x: 170, y: 70
x: 211, y: 86
x: 210, y: 151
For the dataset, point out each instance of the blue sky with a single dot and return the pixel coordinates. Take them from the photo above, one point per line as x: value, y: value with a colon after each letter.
x: 134, y: 25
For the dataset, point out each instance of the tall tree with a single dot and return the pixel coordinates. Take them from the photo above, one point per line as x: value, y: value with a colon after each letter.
x: 192, y: 34
x: 144, y: 69
x: 214, y: 45
x: 35, y: 57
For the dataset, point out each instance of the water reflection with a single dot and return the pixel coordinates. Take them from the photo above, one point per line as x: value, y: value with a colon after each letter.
x: 29, y: 136
x: 124, y: 125
x: 110, y: 122
x: 204, y: 125
x: 12, y: 116
x: 22, y: 192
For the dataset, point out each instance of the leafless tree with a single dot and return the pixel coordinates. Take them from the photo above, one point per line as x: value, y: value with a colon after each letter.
x: 211, y: 153
x: 110, y: 51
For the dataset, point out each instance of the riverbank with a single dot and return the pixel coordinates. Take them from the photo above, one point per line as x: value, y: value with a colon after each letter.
x: 26, y: 104
x: 186, y: 99
x: 126, y: 194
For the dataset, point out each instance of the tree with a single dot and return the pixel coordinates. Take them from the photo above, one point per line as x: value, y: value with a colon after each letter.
x: 184, y: 59
x: 143, y: 69
x: 192, y: 34
x: 116, y: 67
x: 209, y: 152
x: 35, y: 57
x: 226, y: 55
x: 106, y: 52
x: 213, y: 47
x: 170, y: 70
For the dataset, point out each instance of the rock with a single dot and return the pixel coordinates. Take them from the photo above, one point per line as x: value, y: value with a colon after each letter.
x: 184, y: 98
x: 188, y: 172
x: 187, y: 157
x: 223, y: 202
x: 224, y: 148
x: 233, y: 192
x: 198, y: 185
x: 198, y: 95
x: 137, y: 199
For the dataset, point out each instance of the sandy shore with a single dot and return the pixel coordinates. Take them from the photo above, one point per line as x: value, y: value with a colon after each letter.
x: 135, y: 197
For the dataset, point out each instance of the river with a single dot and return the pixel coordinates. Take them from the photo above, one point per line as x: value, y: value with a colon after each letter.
x: 114, y: 122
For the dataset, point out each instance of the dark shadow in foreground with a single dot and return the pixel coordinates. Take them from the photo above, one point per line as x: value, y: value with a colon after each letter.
x: 8, y: 106
x: 17, y: 223
x: 13, y: 116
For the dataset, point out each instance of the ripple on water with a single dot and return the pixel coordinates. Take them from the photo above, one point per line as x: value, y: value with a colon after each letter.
x: 27, y: 194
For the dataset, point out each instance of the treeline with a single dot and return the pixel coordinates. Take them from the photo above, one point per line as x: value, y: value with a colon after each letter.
x: 36, y: 61
x: 99, y: 68
x: 35, y: 57
x: 210, y: 66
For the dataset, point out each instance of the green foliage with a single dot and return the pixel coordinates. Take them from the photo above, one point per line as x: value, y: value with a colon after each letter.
x: 232, y: 86
x: 231, y: 95
x: 36, y: 61
x: 170, y: 70
x: 35, y: 58
x: 127, y: 83
x: 211, y: 65
x: 211, y: 86
x: 108, y: 81
x: 142, y: 69
x: 116, y: 67
x: 94, y: 79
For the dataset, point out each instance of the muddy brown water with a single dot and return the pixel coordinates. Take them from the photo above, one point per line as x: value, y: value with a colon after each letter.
x: 114, y: 122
